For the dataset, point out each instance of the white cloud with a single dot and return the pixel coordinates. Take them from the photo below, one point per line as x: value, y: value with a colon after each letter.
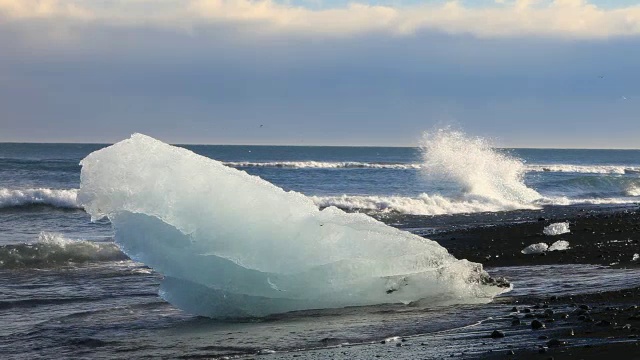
x: 558, y: 18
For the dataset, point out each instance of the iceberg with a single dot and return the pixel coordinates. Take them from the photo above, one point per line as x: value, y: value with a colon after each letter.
x: 230, y: 244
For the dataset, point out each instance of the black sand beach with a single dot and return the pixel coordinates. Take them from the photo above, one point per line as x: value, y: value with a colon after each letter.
x: 584, y: 326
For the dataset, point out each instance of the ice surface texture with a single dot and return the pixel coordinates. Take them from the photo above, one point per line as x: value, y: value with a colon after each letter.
x: 231, y: 244
x: 557, y: 229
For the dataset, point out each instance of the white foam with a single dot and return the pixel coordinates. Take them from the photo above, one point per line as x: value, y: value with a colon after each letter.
x: 556, y: 229
x: 42, y: 196
x: 52, y: 249
x: 424, y: 204
x: 481, y: 172
x: 633, y: 190
x: 583, y: 169
x: 533, y: 249
x: 559, y: 245
x: 232, y: 244
x: 322, y: 165
x: 636, y: 257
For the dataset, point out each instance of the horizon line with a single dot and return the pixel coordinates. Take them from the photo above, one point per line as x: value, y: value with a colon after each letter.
x: 309, y: 145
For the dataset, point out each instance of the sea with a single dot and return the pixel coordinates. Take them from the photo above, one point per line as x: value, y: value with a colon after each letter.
x: 67, y: 291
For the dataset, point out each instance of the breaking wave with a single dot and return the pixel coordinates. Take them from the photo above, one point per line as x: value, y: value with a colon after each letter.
x: 66, y: 199
x: 425, y: 204
x: 323, y: 165
x: 53, y: 250
x: 585, y: 169
x: 565, y: 168
x: 481, y: 173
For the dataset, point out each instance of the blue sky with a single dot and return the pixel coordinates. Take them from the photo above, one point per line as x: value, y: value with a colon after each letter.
x: 527, y: 73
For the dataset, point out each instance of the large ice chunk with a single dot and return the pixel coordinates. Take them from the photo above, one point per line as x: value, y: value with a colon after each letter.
x: 231, y: 244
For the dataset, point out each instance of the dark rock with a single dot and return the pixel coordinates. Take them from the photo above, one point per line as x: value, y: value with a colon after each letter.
x: 556, y: 343
x: 516, y: 322
x: 514, y: 309
x: 536, y: 325
x: 497, y: 334
x: 584, y: 307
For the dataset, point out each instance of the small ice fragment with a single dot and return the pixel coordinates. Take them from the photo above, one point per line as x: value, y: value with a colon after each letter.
x: 557, y: 229
x: 635, y: 257
x: 559, y: 245
x: 538, y: 248
x: 266, y: 352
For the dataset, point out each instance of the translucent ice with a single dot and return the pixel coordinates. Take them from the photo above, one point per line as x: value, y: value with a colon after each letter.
x: 556, y: 229
x: 559, y: 245
x: 231, y: 244
x: 538, y: 248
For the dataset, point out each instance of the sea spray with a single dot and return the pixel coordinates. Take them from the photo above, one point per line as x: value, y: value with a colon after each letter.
x: 231, y: 244
x: 480, y: 171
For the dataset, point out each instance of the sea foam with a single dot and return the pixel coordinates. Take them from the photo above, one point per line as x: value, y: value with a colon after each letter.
x: 231, y: 244
x: 584, y: 169
x: 322, y: 165
x: 53, y: 249
x: 47, y: 197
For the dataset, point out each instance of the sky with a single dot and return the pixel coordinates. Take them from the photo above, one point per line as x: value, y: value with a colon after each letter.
x: 526, y: 73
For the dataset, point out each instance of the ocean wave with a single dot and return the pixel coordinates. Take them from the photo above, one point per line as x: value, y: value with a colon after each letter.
x: 66, y: 199
x: 425, y: 204
x: 633, y: 190
x: 585, y: 169
x: 566, y: 168
x: 55, y: 250
x: 323, y: 165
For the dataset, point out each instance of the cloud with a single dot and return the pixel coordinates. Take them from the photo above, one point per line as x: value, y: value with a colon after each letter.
x: 558, y: 18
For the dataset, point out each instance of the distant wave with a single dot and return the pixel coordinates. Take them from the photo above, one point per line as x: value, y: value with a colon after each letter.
x: 323, y: 165
x: 585, y: 169
x: 568, y: 168
x: 55, y: 250
x: 48, y: 197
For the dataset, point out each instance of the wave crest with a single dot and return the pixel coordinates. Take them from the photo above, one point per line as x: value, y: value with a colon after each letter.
x: 585, y: 169
x: 323, y: 165
x: 55, y: 250
x: 66, y: 199
x: 481, y: 172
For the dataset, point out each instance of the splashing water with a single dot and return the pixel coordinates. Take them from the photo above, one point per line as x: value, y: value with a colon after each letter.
x: 481, y: 172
